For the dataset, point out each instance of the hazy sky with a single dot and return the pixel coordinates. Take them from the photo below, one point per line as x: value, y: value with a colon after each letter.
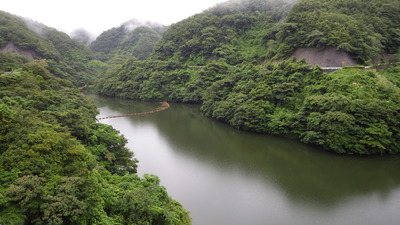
x: 98, y: 15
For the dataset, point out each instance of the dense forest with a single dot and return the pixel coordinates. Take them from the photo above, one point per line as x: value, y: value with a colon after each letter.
x: 66, y: 57
x: 224, y: 59
x: 365, y: 29
x: 132, y: 38
x: 58, y: 165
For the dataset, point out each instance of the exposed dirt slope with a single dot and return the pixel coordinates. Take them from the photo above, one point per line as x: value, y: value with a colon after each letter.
x: 12, y: 48
x: 328, y: 57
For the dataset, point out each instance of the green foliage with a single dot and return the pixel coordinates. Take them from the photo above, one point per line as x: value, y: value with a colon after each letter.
x: 349, y: 111
x: 138, y: 42
x: 109, y: 148
x: 58, y: 166
x: 217, y: 58
x: 233, y: 30
x: 65, y: 57
x: 14, y: 30
x: 144, y: 201
x: 362, y: 28
x: 261, y: 99
x: 75, y: 61
x: 393, y: 75
x: 354, y: 113
x: 11, y: 61
x: 108, y: 42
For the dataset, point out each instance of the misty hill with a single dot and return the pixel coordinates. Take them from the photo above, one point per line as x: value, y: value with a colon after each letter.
x: 66, y: 57
x: 82, y: 36
x: 132, y: 38
x: 14, y: 30
x: 223, y: 59
x: 234, y: 30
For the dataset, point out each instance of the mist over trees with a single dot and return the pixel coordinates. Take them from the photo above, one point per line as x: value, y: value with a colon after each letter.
x: 133, y: 38
x: 82, y: 36
x: 131, y: 25
x: 233, y: 30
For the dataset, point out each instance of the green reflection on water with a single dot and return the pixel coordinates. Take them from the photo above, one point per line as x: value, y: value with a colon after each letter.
x: 306, y: 175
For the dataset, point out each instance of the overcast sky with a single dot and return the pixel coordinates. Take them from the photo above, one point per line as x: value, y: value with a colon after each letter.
x: 99, y: 15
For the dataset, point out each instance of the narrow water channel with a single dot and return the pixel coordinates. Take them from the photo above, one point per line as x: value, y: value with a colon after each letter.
x: 228, y: 177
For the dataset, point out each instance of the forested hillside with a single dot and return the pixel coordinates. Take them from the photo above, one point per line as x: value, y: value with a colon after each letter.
x: 363, y: 28
x: 223, y: 59
x: 233, y: 30
x: 66, y: 57
x: 58, y: 165
x: 132, y: 38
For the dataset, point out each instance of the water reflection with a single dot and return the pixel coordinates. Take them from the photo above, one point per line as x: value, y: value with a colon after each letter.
x: 256, y: 175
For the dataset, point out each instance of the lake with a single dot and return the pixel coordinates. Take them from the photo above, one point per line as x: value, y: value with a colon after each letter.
x: 226, y: 176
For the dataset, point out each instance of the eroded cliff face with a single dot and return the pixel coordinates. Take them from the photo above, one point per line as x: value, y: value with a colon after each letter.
x: 12, y: 48
x: 328, y: 57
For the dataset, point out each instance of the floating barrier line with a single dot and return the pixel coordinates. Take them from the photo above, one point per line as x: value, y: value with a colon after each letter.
x: 164, y: 106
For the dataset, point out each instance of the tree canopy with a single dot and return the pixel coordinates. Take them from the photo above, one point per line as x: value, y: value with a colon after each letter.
x: 223, y: 59
x: 58, y: 165
x: 363, y: 28
x: 131, y: 39
x: 67, y: 58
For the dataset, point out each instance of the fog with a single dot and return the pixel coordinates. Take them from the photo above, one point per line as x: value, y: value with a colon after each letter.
x: 98, y: 16
x: 82, y: 36
x: 135, y: 23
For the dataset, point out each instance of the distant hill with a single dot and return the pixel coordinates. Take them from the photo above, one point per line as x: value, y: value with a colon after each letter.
x: 82, y: 36
x: 233, y: 30
x: 132, y: 38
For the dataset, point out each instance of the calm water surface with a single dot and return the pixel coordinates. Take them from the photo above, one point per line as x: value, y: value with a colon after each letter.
x: 227, y: 177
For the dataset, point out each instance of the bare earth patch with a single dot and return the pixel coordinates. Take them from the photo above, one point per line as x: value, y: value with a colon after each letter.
x: 328, y: 57
x: 12, y: 48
